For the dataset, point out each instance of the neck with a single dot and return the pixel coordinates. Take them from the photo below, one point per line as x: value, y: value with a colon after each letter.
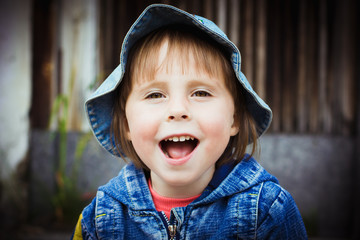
x: 181, y: 189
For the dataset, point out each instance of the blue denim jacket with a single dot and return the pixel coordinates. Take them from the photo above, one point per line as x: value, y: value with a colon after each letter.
x: 241, y: 202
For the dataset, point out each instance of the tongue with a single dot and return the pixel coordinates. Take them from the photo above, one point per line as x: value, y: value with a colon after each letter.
x: 177, y: 149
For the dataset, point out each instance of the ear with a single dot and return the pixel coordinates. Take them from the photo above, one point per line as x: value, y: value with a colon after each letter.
x: 128, y: 134
x: 234, y: 127
x: 234, y: 130
x: 126, y: 129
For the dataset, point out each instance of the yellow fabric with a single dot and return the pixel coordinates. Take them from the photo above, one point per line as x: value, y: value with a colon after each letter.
x: 77, y: 233
x: 100, y: 215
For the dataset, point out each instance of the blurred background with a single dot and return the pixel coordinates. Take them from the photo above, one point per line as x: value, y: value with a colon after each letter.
x: 301, y: 56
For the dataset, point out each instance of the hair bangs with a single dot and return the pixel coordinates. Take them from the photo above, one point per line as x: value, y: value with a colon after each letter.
x: 167, y: 50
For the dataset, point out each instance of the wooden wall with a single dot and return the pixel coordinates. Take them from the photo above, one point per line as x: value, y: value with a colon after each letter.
x: 301, y: 56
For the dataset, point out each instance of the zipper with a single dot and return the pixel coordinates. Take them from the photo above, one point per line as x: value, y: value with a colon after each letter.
x: 171, y: 227
x: 172, y: 231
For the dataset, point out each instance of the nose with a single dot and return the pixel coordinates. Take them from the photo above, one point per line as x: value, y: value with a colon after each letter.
x: 174, y: 117
x: 178, y: 110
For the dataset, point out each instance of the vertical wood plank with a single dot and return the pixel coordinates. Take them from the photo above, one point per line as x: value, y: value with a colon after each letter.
x: 275, y: 65
x: 260, y: 48
x: 187, y: 4
x: 122, y: 24
x: 331, y: 81
x: 312, y: 76
x: 347, y: 67
x: 336, y: 74
x: 302, y: 69
x: 106, y: 38
x: 196, y: 7
x: 182, y: 5
x: 248, y: 39
x: 221, y: 14
x: 288, y: 70
x: 324, y: 109
x: 234, y: 10
x: 44, y: 58
x: 209, y: 9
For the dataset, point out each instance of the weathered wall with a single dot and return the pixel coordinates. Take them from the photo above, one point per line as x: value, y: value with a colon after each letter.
x: 15, y: 90
x: 15, y: 83
x: 318, y: 170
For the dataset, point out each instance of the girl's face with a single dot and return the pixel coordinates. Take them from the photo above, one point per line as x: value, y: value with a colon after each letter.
x: 180, y: 124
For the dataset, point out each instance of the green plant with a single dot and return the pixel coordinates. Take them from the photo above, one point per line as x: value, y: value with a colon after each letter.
x: 68, y: 200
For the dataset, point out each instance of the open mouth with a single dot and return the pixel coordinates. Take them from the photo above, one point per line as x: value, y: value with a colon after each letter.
x: 178, y: 147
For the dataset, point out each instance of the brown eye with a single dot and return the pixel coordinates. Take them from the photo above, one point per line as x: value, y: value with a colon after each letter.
x: 201, y: 94
x: 155, y: 95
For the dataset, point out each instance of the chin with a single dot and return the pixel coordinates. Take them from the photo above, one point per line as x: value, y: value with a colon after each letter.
x: 180, y: 179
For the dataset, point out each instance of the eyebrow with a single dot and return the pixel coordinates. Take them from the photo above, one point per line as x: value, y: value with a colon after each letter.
x: 150, y: 83
x: 142, y: 85
x: 197, y: 82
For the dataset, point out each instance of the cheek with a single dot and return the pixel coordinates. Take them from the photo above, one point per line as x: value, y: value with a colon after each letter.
x: 142, y: 129
x: 217, y: 129
x: 217, y: 121
x: 139, y: 128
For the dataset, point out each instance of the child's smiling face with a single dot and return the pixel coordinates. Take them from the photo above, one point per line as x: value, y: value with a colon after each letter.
x: 180, y: 123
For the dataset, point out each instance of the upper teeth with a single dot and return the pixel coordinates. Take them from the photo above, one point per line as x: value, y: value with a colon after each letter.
x: 180, y: 138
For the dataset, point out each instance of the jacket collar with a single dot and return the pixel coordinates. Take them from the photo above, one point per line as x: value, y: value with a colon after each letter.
x: 131, y: 189
x: 234, y: 178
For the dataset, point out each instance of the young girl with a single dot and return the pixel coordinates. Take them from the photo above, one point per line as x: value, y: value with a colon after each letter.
x: 180, y: 110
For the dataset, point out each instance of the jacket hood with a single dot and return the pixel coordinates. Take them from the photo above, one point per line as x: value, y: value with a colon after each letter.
x: 131, y: 189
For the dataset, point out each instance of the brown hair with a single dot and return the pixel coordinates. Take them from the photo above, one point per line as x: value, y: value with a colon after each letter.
x: 209, y: 56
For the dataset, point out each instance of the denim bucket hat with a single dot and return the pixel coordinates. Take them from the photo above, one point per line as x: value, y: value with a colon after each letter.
x: 100, y: 104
